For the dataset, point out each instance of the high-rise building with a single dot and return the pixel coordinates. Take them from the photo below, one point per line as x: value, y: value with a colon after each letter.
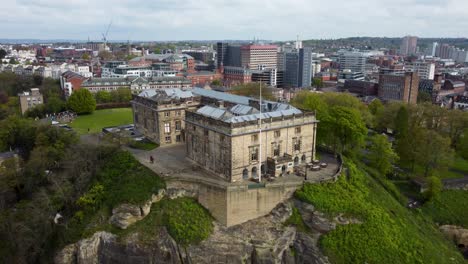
x: 298, y: 68
x: 352, y: 60
x: 409, y: 45
x: 291, y: 69
x: 305, y: 67
x: 425, y: 70
x: 254, y: 56
x: 221, y: 49
x: 431, y: 50
x: 233, y: 56
x: 399, y: 88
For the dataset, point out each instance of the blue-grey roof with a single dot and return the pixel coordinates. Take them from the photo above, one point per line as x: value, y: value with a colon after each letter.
x: 243, y: 110
x: 168, y: 93
x: 240, y: 119
x: 214, y: 112
x: 222, y: 96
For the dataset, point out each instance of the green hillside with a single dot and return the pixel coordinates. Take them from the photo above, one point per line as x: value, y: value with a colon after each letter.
x: 390, y: 233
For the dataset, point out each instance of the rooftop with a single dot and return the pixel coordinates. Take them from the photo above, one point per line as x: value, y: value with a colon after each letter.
x: 165, y: 94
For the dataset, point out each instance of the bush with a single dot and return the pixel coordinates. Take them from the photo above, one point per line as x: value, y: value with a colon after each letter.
x: 296, y: 220
x: 448, y: 208
x: 187, y: 221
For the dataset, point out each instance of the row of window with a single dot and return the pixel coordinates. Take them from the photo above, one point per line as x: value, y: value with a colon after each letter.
x: 167, y: 126
x: 168, y: 139
x: 168, y: 113
x: 277, y: 134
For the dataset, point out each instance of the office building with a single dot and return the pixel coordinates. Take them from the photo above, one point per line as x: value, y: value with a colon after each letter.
x: 298, y: 68
x: 409, y: 45
x: 221, y: 50
x: 425, y: 70
x: 257, y: 57
x: 399, y: 87
x: 352, y: 60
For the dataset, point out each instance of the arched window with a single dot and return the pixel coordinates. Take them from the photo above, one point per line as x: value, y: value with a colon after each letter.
x: 245, y: 174
x: 296, y: 161
x: 303, y: 158
x: 254, y: 172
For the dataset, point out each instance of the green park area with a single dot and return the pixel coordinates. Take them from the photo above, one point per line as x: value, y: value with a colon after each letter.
x: 102, y: 118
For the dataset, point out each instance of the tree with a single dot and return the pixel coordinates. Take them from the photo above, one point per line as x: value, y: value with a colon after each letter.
x: 346, y: 128
x: 462, y: 147
x: 434, y: 187
x: 375, y: 107
x: 3, y: 53
x: 432, y: 151
x: 253, y: 90
x: 402, y: 123
x: 216, y: 82
x: 105, y: 55
x: 82, y: 102
x: 103, y: 97
x: 386, y: 117
x: 424, y: 97
x: 37, y: 111
x: 125, y: 95
x: 55, y: 105
x: 317, y: 82
x: 86, y: 56
x: 381, y: 154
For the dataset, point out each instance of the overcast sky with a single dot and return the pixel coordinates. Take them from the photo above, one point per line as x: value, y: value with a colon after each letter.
x: 231, y: 19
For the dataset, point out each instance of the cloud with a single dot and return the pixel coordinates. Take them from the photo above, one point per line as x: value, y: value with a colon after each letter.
x: 234, y: 19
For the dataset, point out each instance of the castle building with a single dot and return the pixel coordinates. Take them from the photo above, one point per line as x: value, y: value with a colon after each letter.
x: 230, y: 136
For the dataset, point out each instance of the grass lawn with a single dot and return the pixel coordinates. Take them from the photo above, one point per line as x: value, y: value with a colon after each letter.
x: 102, y: 118
x: 460, y: 165
x: 143, y: 145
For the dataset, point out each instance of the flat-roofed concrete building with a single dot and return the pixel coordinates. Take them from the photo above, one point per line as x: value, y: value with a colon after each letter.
x: 257, y: 57
x: 30, y: 99
x: 399, y: 87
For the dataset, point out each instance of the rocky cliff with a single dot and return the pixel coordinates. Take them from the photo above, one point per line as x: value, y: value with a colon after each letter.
x: 263, y: 240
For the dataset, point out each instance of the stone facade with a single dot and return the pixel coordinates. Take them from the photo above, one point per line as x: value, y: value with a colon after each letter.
x: 223, y: 133
x: 160, y: 114
x: 232, y: 151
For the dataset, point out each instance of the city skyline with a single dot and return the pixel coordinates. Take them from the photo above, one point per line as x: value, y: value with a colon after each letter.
x: 189, y: 20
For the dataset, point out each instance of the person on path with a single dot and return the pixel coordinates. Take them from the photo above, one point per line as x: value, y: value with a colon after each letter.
x: 151, y: 159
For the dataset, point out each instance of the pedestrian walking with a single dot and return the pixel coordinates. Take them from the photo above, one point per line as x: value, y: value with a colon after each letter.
x: 151, y: 159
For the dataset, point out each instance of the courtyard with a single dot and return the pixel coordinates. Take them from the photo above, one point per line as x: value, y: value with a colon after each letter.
x: 170, y: 162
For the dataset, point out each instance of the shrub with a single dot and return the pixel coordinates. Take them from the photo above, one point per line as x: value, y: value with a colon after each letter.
x: 187, y: 221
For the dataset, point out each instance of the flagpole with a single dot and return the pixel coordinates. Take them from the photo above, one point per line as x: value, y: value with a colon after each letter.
x: 260, y: 136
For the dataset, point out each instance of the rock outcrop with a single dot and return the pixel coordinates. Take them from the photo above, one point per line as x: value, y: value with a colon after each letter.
x: 458, y: 235
x: 264, y: 240
x: 127, y: 214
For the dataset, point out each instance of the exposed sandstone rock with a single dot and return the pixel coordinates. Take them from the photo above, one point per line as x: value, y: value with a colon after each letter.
x: 103, y: 247
x: 174, y: 193
x: 263, y: 240
x: 307, y: 250
x: 457, y: 234
x: 127, y: 214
